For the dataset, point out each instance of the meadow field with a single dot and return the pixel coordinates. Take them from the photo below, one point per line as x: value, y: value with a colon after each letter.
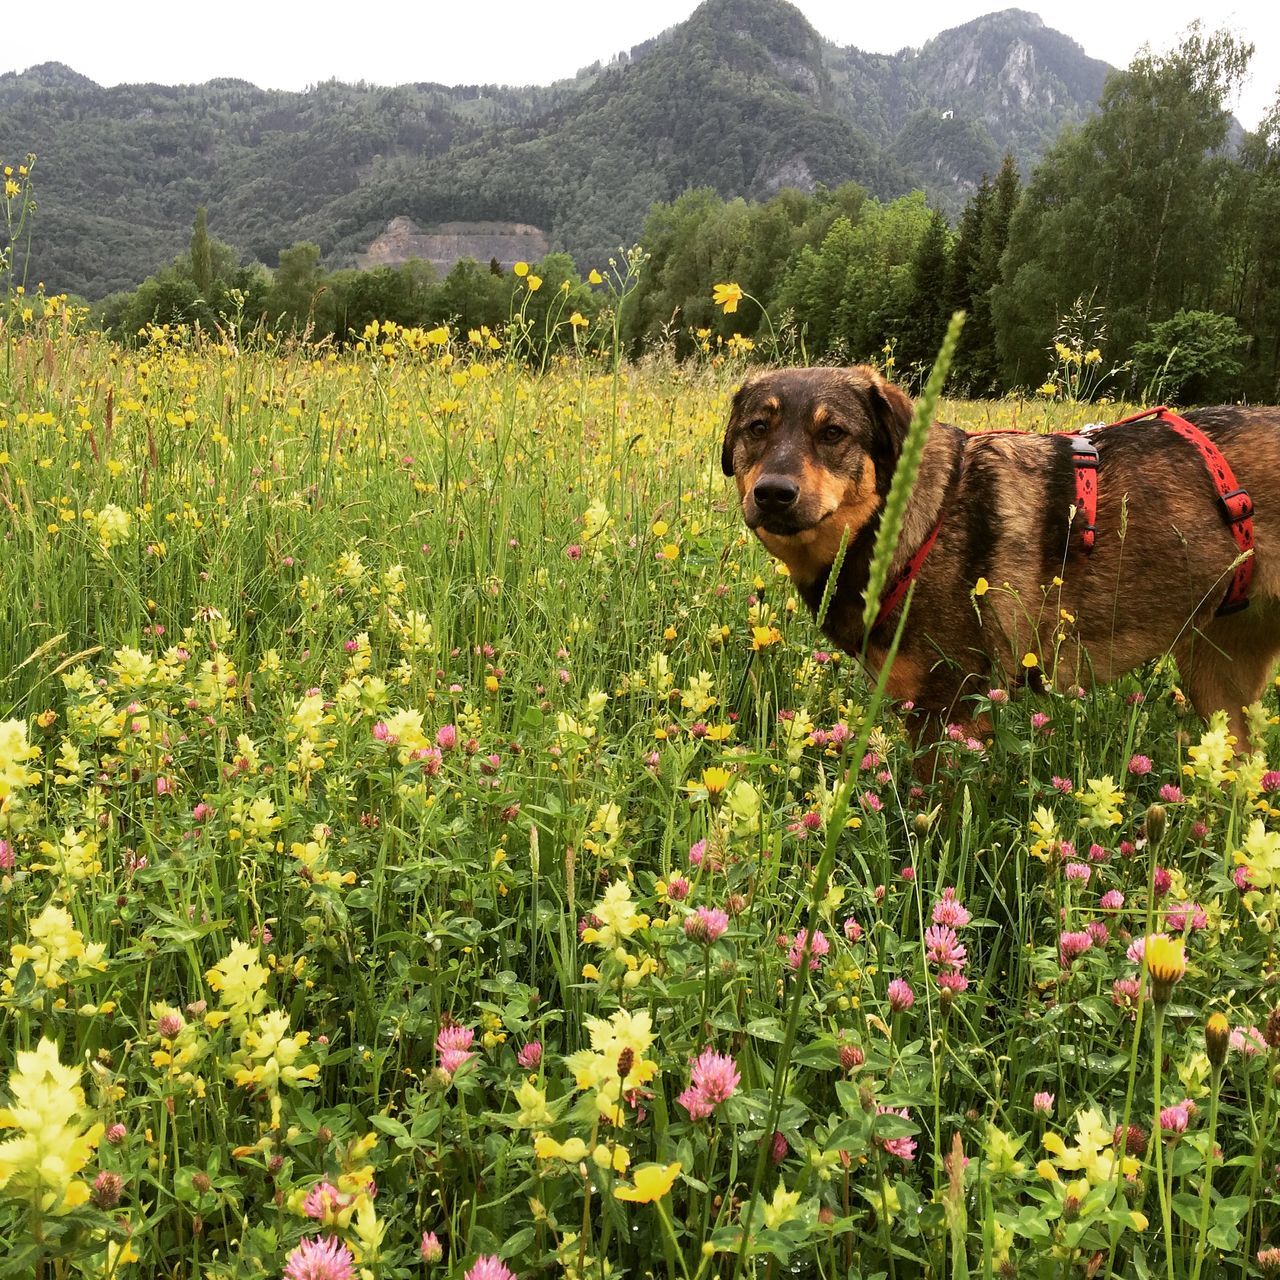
x: 435, y: 842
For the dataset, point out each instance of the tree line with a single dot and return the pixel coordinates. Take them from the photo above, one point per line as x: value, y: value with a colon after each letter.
x: 1140, y: 257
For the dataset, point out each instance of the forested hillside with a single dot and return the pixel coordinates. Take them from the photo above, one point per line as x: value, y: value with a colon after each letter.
x: 745, y: 98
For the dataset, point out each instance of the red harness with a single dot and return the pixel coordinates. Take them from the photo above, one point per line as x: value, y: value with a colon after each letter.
x: 1234, y: 505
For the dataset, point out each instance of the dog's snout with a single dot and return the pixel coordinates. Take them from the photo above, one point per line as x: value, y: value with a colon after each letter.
x: 775, y: 492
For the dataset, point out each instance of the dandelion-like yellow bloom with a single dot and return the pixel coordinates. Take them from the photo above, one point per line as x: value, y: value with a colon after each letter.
x: 715, y: 779
x: 727, y: 296
x: 1166, y: 962
x: 1217, y: 1038
x: 52, y: 1144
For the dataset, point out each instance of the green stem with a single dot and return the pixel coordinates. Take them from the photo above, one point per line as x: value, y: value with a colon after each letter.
x: 671, y: 1235
x: 1263, y: 1131
x: 1166, y: 1211
x: 1206, y: 1187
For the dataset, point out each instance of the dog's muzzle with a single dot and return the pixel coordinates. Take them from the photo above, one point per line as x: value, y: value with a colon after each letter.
x: 775, y: 500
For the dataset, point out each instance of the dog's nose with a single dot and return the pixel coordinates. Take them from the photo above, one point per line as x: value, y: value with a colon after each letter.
x: 775, y: 492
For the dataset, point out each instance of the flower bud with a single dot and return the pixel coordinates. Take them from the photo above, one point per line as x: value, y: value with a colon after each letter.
x: 107, y: 1187
x: 1271, y: 1032
x: 1156, y: 819
x: 851, y: 1056
x: 1217, y: 1035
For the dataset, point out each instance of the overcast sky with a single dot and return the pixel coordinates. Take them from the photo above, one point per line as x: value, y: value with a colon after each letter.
x: 288, y: 46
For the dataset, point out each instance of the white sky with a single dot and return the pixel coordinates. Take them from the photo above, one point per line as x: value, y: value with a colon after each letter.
x: 291, y: 45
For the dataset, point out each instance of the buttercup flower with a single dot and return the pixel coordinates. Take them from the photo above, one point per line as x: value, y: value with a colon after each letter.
x: 651, y: 1182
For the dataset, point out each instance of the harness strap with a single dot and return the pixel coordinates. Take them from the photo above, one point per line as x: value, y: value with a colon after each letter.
x: 1234, y: 505
x: 897, y: 593
x: 1084, y: 461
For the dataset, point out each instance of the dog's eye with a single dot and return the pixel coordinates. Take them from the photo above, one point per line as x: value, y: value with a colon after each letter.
x: 831, y: 435
x: 757, y: 430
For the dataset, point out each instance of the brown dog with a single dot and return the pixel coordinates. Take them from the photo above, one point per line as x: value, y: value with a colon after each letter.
x: 813, y: 452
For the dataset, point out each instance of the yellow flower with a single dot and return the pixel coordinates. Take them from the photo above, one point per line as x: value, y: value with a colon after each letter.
x: 1211, y: 756
x: 652, y: 1182
x: 595, y: 277
x: 782, y: 1208
x: 534, y: 1112
x: 239, y: 980
x: 619, y: 1158
x: 1166, y: 962
x: 578, y: 320
x: 534, y: 283
x: 113, y: 525
x: 727, y: 296
x: 571, y: 1150
x: 981, y: 587
x: 15, y: 751
x: 1260, y: 852
x: 715, y: 779
x: 1217, y: 1034
x: 597, y: 1068
x: 618, y: 917
x: 56, y: 950
x: 52, y: 1145
x: 1030, y: 661
x: 1092, y: 1154
x: 1101, y: 803
x: 521, y: 269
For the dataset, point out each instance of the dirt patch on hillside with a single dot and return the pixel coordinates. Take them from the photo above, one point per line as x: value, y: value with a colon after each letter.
x: 448, y: 242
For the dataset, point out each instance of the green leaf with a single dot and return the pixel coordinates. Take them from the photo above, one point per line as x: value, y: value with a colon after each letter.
x: 390, y: 1126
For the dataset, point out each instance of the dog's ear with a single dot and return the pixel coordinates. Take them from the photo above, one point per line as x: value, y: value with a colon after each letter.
x: 891, y: 411
x: 726, y: 449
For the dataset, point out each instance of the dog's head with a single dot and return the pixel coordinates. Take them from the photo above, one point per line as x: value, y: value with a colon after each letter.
x: 813, y: 452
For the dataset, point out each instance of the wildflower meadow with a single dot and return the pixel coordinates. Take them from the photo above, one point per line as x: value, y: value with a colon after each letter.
x: 435, y: 842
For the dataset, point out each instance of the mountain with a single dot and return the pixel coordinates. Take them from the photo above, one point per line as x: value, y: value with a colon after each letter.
x: 744, y: 97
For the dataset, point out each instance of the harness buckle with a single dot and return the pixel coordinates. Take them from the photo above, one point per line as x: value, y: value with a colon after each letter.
x: 1084, y: 453
x: 1236, y: 506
